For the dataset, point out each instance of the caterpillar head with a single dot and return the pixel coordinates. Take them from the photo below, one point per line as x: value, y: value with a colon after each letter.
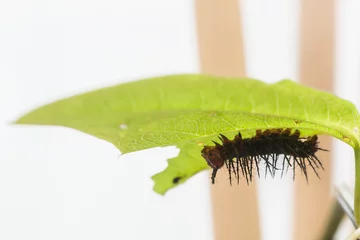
x: 213, y: 157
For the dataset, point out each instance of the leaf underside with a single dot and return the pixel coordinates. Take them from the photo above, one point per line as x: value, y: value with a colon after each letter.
x: 189, y: 111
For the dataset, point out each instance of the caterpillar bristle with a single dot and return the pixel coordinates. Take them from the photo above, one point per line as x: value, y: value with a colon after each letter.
x: 243, y: 156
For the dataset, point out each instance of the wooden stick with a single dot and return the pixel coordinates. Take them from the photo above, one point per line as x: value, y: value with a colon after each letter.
x: 312, y: 200
x: 235, y: 209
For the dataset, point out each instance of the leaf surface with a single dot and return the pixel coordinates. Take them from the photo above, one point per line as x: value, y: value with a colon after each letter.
x: 189, y: 111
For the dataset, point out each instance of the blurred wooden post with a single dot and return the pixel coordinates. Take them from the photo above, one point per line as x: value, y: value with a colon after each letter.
x: 220, y: 45
x: 312, y: 200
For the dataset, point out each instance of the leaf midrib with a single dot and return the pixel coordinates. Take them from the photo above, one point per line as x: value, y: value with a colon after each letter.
x: 338, y: 128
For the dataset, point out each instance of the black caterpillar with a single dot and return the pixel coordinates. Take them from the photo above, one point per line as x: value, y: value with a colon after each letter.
x: 243, y: 155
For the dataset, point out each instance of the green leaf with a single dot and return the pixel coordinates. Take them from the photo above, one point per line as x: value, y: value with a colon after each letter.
x: 189, y: 111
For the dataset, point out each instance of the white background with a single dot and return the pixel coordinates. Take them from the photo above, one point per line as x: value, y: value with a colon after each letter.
x: 57, y: 183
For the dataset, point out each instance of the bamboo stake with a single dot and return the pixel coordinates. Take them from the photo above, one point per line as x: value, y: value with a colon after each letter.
x: 312, y: 200
x: 220, y: 44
